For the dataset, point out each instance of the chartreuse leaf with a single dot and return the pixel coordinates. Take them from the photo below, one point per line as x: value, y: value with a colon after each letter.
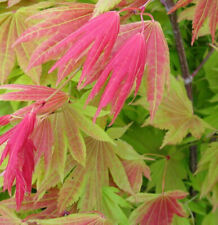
x: 113, y: 204
x: 76, y: 143
x: 87, y: 126
x: 180, y: 221
x: 76, y: 219
x: 105, y: 5
x: 8, y: 217
x: 211, y: 218
x: 118, y: 132
x: 211, y: 71
x: 13, y: 24
x: 175, y: 172
x: 209, y: 163
x: 85, y: 183
x: 176, y: 115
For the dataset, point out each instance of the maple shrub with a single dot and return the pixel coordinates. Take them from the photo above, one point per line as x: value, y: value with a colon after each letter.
x: 108, y: 112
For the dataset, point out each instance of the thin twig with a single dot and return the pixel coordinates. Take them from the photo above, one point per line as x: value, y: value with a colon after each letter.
x: 203, y: 62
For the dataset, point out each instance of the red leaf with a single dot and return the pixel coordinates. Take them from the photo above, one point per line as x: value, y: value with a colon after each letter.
x: 158, y: 209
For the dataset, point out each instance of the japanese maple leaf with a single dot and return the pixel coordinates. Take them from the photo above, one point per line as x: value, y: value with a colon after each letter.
x: 76, y: 219
x: 56, y: 24
x: 11, y: 27
x: 8, y: 217
x: 151, y: 45
x: 92, y: 42
x: 209, y: 163
x: 157, y: 209
x: 127, y: 66
x: 48, y: 203
x: 58, y: 138
x: 36, y: 93
x: 104, y: 162
x: 20, y: 150
x: 176, y: 115
x: 204, y: 9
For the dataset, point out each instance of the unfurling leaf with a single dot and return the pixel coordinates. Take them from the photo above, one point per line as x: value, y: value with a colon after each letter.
x: 157, y: 209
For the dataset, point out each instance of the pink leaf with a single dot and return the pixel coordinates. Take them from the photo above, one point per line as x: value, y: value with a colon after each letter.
x: 158, y: 209
x: 127, y: 66
x: 93, y: 40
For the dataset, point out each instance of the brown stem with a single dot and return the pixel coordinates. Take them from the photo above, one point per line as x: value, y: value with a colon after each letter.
x: 203, y: 62
x: 179, y: 46
x: 185, y: 74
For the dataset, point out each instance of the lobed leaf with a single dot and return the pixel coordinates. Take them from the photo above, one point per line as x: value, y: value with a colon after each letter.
x: 75, y: 219
x: 159, y: 209
x: 176, y: 115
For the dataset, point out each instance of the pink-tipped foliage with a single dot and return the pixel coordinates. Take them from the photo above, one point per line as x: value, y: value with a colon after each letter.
x: 20, y: 150
x: 127, y: 67
x: 92, y: 42
x: 42, y: 137
x: 57, y: 23
x: 204, y: 9
x: 159, y: 210
x: 134, y: 170
x: 157, y: 62
x: 36, y: 93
